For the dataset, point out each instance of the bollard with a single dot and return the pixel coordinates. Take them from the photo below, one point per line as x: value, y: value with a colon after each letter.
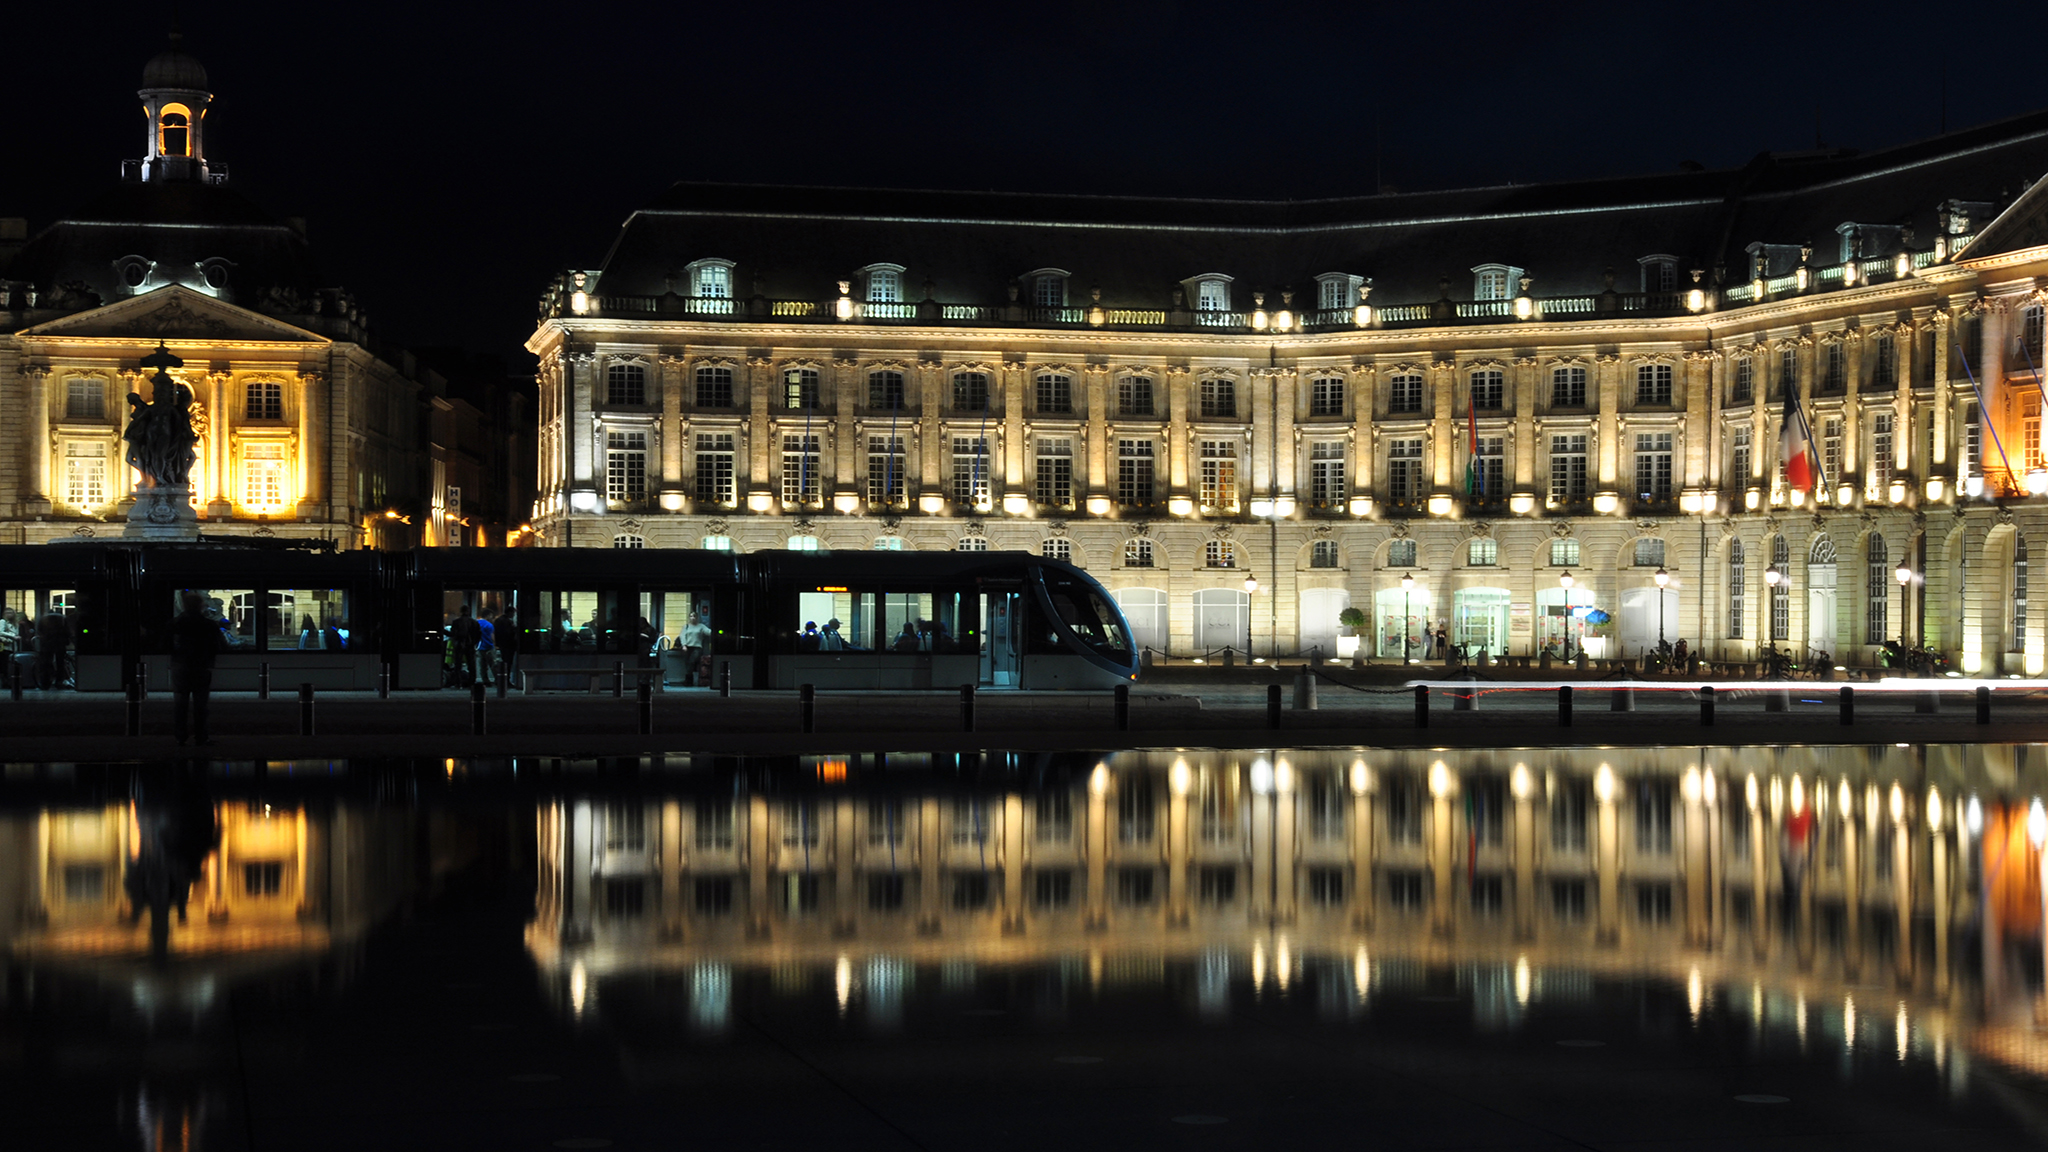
x: 478, y: 726
x: 1707, y: 706
x: 1123, y: 707
x: 1564, y: 705
x: 967, y: 707
x: 305, y: 710
x: 1983, y: 705
x: 1777, y: 699
x: 1272, y: 706
x: 1466, y: 698
x: 1305, y: 690
x: 646, y: 690
x: 134, y: 709
x: 384, y: 682
x: 1848, y: 705
x: 725, y: 679
x: 618, y: 679
x: 263, y: 680
x: 1621, y: 700
x: 504, y: 674
x: 1422, y: 705
x: 1229, y: 658
x: 807, y: 706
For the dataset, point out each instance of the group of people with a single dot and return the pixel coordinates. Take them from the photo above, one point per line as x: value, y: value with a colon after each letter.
x: 473, y: 654
x: 38, y: 648
x: 916, y: 636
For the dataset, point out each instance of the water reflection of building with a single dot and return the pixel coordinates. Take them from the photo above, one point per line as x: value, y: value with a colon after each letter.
x: 1797, y: 881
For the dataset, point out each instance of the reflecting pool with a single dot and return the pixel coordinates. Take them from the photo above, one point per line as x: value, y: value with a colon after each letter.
x: 1432, y: 948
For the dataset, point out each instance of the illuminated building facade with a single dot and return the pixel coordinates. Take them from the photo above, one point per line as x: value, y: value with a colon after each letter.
x: 1431, y: 407
x: 309, y: 428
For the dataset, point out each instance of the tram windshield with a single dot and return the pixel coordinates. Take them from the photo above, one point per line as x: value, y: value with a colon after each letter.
x: 1088, y: 616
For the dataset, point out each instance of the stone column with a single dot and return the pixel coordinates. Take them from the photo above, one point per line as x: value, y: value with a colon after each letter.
x: 932, y: 463
x: 1856, y: 470
x: 1286, y: 399
x: 1937, y: 330
x: 1698, y: 421
x: 763, y: 447
x: 1606, y: 386
x: 313, y: 484
x: 1361, y: 464
x: 1016, y: 380
x: 220, y: 437
x: 1526, y: 389
x: 578, y: 370
x: 1264, y: 468
x: 671, y: 369
x: 1096, y: 434
x: 1178, y: 386
x: 1443, y: 425
x: 848, y: 474
x: 35, y: 485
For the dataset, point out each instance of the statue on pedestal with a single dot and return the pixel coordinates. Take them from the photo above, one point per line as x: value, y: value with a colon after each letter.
x: 160, y: 446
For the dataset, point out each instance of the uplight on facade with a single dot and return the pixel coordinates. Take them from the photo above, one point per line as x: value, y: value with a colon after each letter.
x: 1361, y: 505
x: 931, y: 505
x: 1441, y: 505
x: 1606, y: 503
x: 1180, y: 506
x: 1016, y: 504
x: 1099, y: 505
x: 1522, y: 503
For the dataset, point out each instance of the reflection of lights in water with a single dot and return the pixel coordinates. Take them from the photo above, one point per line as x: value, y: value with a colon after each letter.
x: 1904, y: 1032
x: 1522, y: 981
x: 1934, y: 812
x: 1361, y: 973
x: 842, y: 982
x: 1689, y: 785
x: 1212, y: 984
x: 1849, y: 1023
x: 1098, y: 780
x: 1749, y: 793
x: 1847, y: 798
x: 1756, y: 1004
x: 1282, y: 962
x: 1798, y: 796
x: 1898, y: 804
x: 1439, y: 780
x: 1799, y: 1008
x: 1180, y: 777
x: 1870, y: 801
x: 1707, y: 786
x: 711, y: 997
x: 1095, y: 970
x: 2037, y: 824
x: 882, y: 985
x: 1520, y: 782
x: 1258, y: 965
x: 1361, y: 777
x: 1262, y: 776
x: 579, y: 988
x: 1973, y: 816
x: 1695, y: 994
x: 1283, y: 776
x: 1777, y: 797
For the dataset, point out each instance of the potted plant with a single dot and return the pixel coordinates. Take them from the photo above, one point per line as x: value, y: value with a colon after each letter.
x: 1350, y: 621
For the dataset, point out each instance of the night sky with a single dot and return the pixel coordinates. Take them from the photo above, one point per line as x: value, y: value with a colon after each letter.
x: 449, y: 162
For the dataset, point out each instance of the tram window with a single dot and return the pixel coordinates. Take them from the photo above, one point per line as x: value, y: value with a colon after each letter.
x: 578, y: 621
x: 1089, y: 618
x: 907, y: 622
x: 954, y: 628
x: 845, y: 621
x: 310, y: 619
x: 234, y: 610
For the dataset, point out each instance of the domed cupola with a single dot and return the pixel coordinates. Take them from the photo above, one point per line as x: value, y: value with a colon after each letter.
x: 174, y: 99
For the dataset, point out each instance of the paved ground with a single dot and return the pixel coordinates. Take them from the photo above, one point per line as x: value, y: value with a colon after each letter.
x: 68, y: 726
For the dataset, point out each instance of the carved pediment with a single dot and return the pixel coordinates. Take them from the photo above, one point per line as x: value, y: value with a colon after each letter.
x: 173, y: 314
x: 1562, y: 529
x: 718, y: 526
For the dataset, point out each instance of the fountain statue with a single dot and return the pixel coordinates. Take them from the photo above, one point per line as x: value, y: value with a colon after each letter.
x: 160, y: 447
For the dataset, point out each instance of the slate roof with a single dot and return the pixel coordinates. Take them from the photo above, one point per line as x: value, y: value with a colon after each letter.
x: 795, y: 243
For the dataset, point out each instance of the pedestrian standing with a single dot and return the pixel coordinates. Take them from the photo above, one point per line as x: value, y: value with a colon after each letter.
x: 696, y: 641
x: 486, y: 647
x: 52, y: 637
x: 463, y: 635
x: 195, y: 642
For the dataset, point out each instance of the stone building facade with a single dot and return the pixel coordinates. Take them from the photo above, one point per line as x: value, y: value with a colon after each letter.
x: 1244, y: 417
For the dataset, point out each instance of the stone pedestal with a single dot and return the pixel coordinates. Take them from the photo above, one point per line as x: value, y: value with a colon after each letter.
x: 162, y: 514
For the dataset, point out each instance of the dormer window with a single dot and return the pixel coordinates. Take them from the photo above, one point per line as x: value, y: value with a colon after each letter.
x: 884, y: 283
x: 174, y: 131
x: 1660, y: 273
x: 1337, y: 291
x: 1495, y: 281
x: 1212, y: 297
x: 1048, y: 287
x: 711, y: 279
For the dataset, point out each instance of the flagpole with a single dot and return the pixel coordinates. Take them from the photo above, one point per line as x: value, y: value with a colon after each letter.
x: 1984, y: 412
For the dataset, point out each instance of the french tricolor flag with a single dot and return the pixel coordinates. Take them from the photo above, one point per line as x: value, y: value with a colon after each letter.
x: 1795, y: 447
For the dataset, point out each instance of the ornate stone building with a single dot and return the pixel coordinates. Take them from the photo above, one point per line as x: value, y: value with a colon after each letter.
x: 1245, y: 416
x: 310, y: 427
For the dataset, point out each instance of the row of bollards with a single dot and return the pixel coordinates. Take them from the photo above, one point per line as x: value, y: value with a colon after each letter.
x: 1623, y: 700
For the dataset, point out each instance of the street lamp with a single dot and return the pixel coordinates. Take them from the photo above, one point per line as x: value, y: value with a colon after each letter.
x: 1251, y: 585
x: 1663, y: 578
x: 1773, y: 577
x: 1407, y: 620
x: 1565, y: 581
x: 1904, y: 576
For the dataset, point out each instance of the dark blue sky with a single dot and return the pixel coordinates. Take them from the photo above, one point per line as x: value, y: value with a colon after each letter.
x: 450, y: 160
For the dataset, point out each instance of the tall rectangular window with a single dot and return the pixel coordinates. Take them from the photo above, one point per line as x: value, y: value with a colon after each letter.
x: 970, y: 391
x: 1743, y: 389
x: 1050, y: 292
x: 714, y: 282
x: 800, y: 388
x: 2032, y: 321
x: 885, y: 470
x: 1212, y: 296
x: 1781, y: 592
x: 2030, y: 430
x: 1567, y: 470
x: 1653, y: 383
x: 1738, y: 588
x: 1491, y: 486
x: 85, y: 398
x: 1881, y: 446
x: 626, y: 384
x: 1488, y: 390
x: 1219, y: 398
x: 1335, y: 293
x: 714, y: 468
x: 1739, y: 457
x: 1831, y: 450
x: 1326, y: 474
x: 1055, y: 472
x: 1836, y: 377
x: 1219, y: 476
x: 1973, y: 440
x: 885, y: 391
x: 970, y: 470
x: 263, y: 480
x: 1055, y: 393
x: 1887, y: 372
x: 714, y: 387
x: 1877, y: 591
x: 1788, y: 371
x: 625, y: 465
x: 1134, y: 396
x: 263, y: 400
x: 1404, y: 470
x: 1567, y: 387
x: 885, y: 286
x: 85, y: 473
x: 1653, y: 467
x: 1134, y: 475
x: 1326, y: 397
x: 800, y: 469
x: 1404, y: 392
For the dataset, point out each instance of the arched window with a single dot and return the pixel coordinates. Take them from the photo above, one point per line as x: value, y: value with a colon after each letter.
x: 1220, y: 554
x: 1649, y: 553
x: 888, y: 543
x: 1401, y: 554
x: 1781, y: 593
x: 1736, y: 585
x: 1138, y: 553
x: 628, y: 540
x: 1482, y: 553
x: 1878, y: 587
x: 803, y: 543
x: 1323, y: 554
x: 2017, y: 641
x: 1564, y: 553
x: 174, y: 131
x: 1057, y: 548
x: 716, y: 544
x: 973, y: 544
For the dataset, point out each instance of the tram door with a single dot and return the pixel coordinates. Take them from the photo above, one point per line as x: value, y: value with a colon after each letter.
x: 1003, y: 639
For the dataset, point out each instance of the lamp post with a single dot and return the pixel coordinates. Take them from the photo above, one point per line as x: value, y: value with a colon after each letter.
x: 1251, y: 585
x: 1663, y: 578
x: 1904, y: 576
x: 1565, y: 582
x: 1407, y: 587
x: 1773, y: 578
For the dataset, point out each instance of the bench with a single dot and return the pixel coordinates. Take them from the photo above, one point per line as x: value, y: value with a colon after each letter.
x: 632, y: 671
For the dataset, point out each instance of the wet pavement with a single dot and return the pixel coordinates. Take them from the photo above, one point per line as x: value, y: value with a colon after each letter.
x: 1692, y: 948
